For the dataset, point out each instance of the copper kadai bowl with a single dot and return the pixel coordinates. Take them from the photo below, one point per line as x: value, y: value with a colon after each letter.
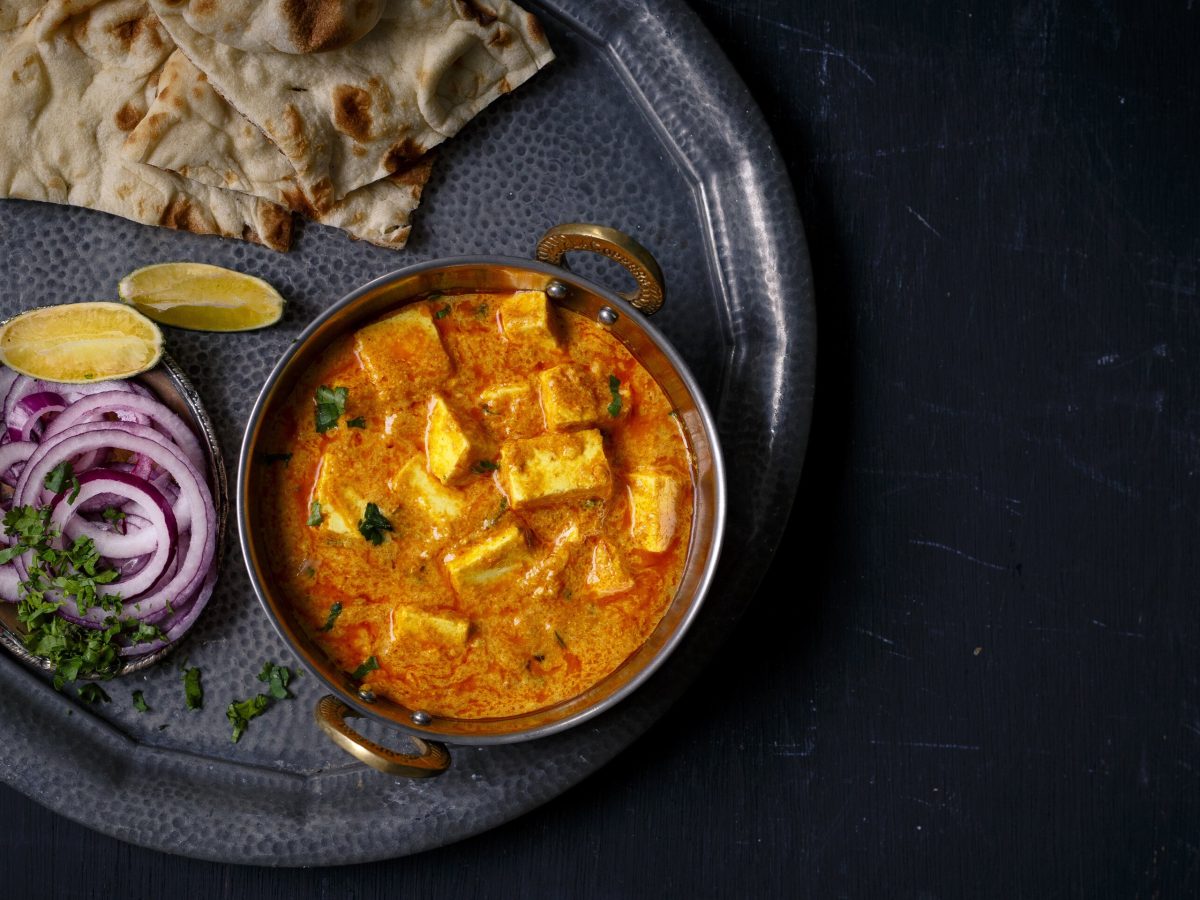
x: 625, y: 317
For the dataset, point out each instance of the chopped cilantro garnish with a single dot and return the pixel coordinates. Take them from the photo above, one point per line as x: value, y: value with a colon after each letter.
x: 442, y: 313
x: 373, y: 524
x: 331, y: 405
x: 240, y: 712
x: 60, y: 478
x: 334, y: 612
x: 73, y: 575
x: 487, y: 410
x: 370, y: 664
x: 269, y: 458
x: 314, y: 514
x: 277, y: 677
x: 193, y: 693
x: 484, y: 466
x: 139, y: 702
x: 93, y: 693
x: 614, y: 388
x: 481, y: 310
x: 112, y: 514
x: 360, y: 422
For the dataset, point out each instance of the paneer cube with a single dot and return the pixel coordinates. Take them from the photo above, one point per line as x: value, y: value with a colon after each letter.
x: 568, y: 398
x: 654, y: 508
x: 607, y: 574
x: 341, y: 504
x: 496, y: 557
x: 529, y: 317
x: 442, y: 626
x: 555, y: 468
x: 403, y: 354
x: 416, y: 488
x: 453, y: 443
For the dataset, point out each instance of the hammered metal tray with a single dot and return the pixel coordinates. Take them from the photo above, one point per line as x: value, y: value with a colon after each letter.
x: 640, y: 124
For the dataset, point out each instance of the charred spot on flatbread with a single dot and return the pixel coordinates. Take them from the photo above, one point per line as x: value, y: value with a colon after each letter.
x: 180, y: 213
x: 317, y: 26
x: 401, y: 153
x: 129, y: 115
x: 471, y: 9
x: 352, y: 111
x: 142, y: 26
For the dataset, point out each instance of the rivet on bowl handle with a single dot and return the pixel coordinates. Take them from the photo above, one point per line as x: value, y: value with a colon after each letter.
x: 433, y: 758
x: 616, y: 245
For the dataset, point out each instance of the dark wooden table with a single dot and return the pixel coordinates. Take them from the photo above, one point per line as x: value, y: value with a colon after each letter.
x: 974, y: 670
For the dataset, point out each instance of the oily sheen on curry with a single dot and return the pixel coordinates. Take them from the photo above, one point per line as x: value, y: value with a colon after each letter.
x: 487, y: 504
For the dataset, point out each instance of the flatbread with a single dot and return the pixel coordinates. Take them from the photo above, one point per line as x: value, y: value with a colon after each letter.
x: 191, y: 130
x: 349, y: 117
x: 289, y: 26
x: 77, y: 77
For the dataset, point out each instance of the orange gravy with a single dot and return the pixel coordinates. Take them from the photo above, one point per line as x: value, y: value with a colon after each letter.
x: 537, y: 485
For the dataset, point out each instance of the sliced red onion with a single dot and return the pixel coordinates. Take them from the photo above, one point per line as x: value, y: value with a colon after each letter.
x: 158, y: 511
x: 96, y: 406
x: 195, y: 498
x: 9, y: 583
x: 178, y: 624
x: 167, y: 572
x: 12, y: 455
x: 36, y: 408
x: 136, y: 540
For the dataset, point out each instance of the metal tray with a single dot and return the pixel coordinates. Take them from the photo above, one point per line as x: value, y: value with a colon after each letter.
x: 640, y: 124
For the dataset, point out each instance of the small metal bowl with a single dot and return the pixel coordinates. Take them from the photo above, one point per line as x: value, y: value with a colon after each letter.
x: 623, y: 316
x: 172, y: 387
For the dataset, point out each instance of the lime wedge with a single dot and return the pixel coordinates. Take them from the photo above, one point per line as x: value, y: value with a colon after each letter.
x: 80, y: 342
x: 202, y: 297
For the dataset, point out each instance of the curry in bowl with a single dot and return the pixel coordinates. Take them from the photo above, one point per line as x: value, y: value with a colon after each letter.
x: 482, y: 504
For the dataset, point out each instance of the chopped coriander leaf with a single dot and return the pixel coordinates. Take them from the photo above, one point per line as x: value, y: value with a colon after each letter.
x: 139, y: 702
x: 269, y: 458
x: 330, y: 406
x: 314, y: 514
x: 334, y: 612
x: 240, y: 712
x: 442, y: 313
x: 487, y: 410
x: 60, y: 478
x: 484, y: 466
x: 74, y: 651
x: 93, y: 693
x: 112, y: 514
x: 193, y: 693
x: 481, y: 310
x: 277, y: 677
x: 360, y: 422
x: 370, y: 664
x: 614, y: 388
x: 373, y: 524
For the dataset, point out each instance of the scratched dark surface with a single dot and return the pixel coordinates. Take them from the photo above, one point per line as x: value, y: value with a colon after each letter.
x: 974, y: 670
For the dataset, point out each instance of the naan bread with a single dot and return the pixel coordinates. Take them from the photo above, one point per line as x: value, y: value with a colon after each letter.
x: 190, y: 129
x: 289, y: 26
x: 346, y: 118
x: 77, y: 78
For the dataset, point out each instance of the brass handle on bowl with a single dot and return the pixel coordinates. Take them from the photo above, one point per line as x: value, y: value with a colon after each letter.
x: 331, y: 714
x: 616, y: 245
